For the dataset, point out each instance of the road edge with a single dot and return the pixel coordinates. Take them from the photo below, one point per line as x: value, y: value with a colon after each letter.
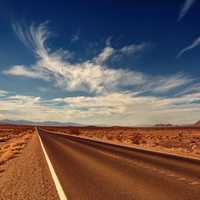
x: 56, y: 181
x: 128, y: 146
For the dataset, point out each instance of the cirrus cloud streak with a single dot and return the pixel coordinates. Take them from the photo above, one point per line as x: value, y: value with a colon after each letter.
x: 92, y: 75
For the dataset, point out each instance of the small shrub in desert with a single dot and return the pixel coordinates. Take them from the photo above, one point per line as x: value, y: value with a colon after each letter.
x: 75, y: 132
x: 136, y: 139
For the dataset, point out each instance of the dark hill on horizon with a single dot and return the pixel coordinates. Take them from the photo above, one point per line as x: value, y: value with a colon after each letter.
x: 197, y: 123
x: 45, y: 123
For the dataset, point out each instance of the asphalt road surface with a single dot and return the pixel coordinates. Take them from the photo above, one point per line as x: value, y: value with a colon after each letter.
x: 90, y: 170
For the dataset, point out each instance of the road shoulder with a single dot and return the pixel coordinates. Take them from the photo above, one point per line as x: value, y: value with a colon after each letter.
x: 27, y: 176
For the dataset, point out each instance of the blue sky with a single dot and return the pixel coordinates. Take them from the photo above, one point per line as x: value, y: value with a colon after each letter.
x: 107, y: 62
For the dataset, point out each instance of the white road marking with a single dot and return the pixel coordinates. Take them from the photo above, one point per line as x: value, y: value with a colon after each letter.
x: 59, y: 188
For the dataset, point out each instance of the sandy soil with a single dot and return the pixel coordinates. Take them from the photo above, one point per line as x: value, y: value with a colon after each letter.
x: 179, y: 140
x: 24, y: 174
x: 13, y: 139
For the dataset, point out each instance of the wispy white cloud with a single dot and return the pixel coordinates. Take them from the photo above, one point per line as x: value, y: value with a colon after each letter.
x: 20, y: 70
x: 92, y: 76
x: 106, y: 53
x: 165, y: 84
x: 35, y: 37
x: 185, y: 8
x: 3, y: 93
x: 133, y: 48
x: 75, y: 37
x: 194, y: 88
x: 108, y: 41
x: 190, y: 47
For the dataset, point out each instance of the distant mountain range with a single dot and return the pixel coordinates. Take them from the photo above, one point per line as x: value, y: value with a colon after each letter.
x: 171, y: 125
x: 45, y: 123
x: 54, y: 123
x: 163, y: 125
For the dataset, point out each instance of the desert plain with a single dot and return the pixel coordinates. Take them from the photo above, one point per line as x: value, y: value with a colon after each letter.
x: 184, y: 141
x: 24, y: 173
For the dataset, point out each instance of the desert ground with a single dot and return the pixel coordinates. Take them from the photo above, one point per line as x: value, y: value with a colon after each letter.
x: 23, y: 170
x: 179, y: 140
x: 13, y: 139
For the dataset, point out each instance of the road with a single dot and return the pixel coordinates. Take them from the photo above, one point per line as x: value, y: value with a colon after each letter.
x: 90, y: 170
